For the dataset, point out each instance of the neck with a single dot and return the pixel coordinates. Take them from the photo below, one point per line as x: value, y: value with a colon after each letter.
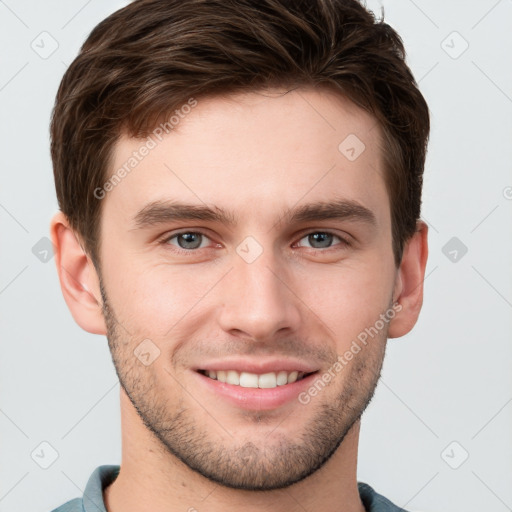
x: 153, y: 479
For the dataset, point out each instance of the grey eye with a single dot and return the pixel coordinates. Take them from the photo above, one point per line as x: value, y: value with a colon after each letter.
x: 188, y: 240
x: 320, y: 240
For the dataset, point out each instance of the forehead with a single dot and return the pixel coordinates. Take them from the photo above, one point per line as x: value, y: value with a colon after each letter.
x: 256, y: 153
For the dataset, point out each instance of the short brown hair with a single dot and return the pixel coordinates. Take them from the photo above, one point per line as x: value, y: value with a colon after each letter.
x: 147, y: 59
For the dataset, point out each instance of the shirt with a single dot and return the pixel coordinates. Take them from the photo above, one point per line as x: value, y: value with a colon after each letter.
x: 103, y: 476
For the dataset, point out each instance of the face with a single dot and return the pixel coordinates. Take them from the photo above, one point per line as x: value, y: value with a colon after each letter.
x: 252, y: 244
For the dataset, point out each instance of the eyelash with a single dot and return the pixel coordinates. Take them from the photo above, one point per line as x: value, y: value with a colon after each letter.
x: 343, y: 242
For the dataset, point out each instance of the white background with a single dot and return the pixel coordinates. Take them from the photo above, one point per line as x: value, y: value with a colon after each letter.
x: 449, y: 380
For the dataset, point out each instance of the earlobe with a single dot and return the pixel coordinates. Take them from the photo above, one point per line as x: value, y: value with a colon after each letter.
x: 78, y: 277
x: 408, y: 290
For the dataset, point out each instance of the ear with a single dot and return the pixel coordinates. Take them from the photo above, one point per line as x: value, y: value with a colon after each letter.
x: 78, y: 277
x: 408, y: 290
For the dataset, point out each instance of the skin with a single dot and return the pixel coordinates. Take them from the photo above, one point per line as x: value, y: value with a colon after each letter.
x: 258, y: 155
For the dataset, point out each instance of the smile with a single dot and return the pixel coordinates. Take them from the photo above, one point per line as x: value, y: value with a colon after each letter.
x: 254, y: 380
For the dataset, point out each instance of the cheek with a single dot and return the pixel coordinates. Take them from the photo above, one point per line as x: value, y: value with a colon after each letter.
x: 348, y: 297
x: 151, y: 299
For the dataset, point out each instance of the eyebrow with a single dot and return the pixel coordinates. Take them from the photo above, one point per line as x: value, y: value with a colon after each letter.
x: 337, y: 210
x: 160, y: 212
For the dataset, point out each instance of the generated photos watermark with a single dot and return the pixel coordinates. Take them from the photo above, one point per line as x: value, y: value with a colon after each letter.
x: 150, y: 143
x: 343, y: 360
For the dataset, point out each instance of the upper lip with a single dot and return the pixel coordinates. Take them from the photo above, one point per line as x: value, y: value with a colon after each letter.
x: 259, y: 366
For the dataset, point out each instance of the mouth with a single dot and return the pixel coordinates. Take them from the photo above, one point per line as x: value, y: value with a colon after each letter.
x: 254, y: 391
x: 256, y: 380
x: 261, y: 384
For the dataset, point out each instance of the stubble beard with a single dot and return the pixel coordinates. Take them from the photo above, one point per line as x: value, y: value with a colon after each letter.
x: 279, y: 463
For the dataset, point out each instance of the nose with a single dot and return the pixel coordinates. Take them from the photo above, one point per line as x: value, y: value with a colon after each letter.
x: 258, y: 300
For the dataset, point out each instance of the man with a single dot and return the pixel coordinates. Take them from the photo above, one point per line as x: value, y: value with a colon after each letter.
x: 240, y: 190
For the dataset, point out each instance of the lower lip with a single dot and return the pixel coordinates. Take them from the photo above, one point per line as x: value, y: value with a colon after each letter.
x: 256, y: 398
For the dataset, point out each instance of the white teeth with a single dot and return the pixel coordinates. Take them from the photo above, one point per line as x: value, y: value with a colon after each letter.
x: 253, y: 380
x: 248, y: 380
x: 267, y: 380
x: 282, y: 378
x: 232, y: 377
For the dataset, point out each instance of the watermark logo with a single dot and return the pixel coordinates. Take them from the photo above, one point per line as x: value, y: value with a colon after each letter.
x: 454, y: 249
x: 455, y: 455
x: 43, y: 250
x: 249, y: 249
x: 44, y: 455
x: 146, y: 352
x: 454, y: 45
x: 351, y: 147
x: 45, y: 45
